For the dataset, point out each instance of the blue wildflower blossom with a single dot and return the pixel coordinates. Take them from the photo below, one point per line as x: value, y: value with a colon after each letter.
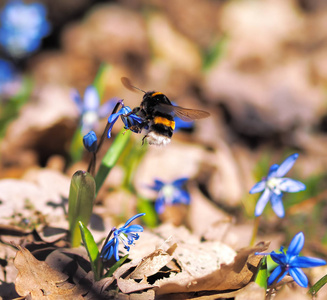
x: 170, y: 193
x: 22, y: 27
x: 290, y: 262
x: 90, y: 141
x: 125, y: 234
x: 90, y: 109
x: 274, y: 185
x: 129, y: 121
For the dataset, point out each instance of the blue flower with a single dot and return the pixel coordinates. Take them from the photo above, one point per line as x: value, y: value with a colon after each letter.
x: 129, y: 121
x: 22, y: 27
x: 90, y: 109
x: 90, y: 141
x: 170, y: 193
x: 10, y: 81
x: 125, y: 234
x: 274, y: 185
x: 290, y: 262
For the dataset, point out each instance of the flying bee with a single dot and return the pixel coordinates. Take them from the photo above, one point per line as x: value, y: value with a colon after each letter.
x: 157, y: 113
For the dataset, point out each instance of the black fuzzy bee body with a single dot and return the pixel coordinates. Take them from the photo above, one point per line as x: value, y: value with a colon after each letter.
x: 158, y: 114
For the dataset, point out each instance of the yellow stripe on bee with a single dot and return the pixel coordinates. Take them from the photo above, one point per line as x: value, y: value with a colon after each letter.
x: 155, y: 94
x: 164, y: 121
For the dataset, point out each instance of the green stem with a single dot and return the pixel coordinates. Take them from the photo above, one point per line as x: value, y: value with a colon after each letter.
x: 111, y: 157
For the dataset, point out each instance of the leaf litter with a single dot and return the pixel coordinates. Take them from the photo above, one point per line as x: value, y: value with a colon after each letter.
x: 176, y: 262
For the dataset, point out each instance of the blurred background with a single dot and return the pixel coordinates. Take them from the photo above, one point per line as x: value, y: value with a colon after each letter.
x: 258, y: 66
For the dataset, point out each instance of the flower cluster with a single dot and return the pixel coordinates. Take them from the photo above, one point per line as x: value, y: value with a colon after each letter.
x: 125, y: 234
x: 170, y: 193
x: 291, y: 263
x: 274, y: 185
x: 22, y: 27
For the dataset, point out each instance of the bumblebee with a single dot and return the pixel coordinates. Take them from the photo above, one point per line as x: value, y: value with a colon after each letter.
x: 157, y: 113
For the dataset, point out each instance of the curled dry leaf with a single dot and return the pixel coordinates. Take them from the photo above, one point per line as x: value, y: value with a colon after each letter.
x: 153, y: 263
x: 37, y: 279
x: 231, y: 276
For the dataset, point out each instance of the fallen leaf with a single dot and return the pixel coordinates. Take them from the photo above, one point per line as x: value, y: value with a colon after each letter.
x: 153, y: 263
x: 37, y: 279
x: 231, y: 276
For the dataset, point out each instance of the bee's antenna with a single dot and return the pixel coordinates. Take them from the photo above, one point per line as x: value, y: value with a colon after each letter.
x: 127, y: 84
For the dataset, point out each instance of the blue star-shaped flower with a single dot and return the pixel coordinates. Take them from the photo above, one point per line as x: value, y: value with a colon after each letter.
x: 90, y: 141
x: 170, y: 193
x: 22, y: 27
x: 128, y: 120
x: 125, y: 234
x: 90, y: 109
x: 290, y: 262
x: 274, y: 185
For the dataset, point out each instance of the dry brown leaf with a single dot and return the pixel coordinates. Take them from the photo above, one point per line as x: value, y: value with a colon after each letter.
x: 229, y: 277
x: 130, y: 285
x: 153, y: 263
x: 37, y: 279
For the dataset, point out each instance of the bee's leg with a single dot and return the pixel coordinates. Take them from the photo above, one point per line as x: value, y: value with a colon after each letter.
x: 134, y: 111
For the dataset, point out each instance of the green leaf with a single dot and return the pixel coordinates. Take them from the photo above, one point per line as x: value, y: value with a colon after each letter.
x: 92, y: 250
x: 116, y: 266
x: 101, y: 78
x: 262, y: 275
x: 9, y: 110
x: 80, y: 203
x: 317, y: 286
x: 150, y: 218
x: 111, y: 157
x: 76, y: 146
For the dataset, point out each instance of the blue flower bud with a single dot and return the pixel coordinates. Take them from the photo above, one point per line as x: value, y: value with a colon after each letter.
x: 90, y: 141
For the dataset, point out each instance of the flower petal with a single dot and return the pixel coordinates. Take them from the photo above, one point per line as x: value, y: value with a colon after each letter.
x: 133, y: 228
x: 106, y: 108
x: 115, y: 249
x: 277, y: 273
x: 107, y: 250
x: 132, y: 219
x: 77, y: 99
x: 291, y: 185
x: 286, y: 165
x: 182, y: 196
x: 158, y: 185
x: 307, y: 262
x: 159, y: 205
x: 272, y: 171
x: 262, y: 202
x: 91, y: 99
x: 277, y: 204
x: 299, y: 277
x: 258, y: 187
x: 279, y: 258
x: 296, y: 244
x: 178, y: 183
